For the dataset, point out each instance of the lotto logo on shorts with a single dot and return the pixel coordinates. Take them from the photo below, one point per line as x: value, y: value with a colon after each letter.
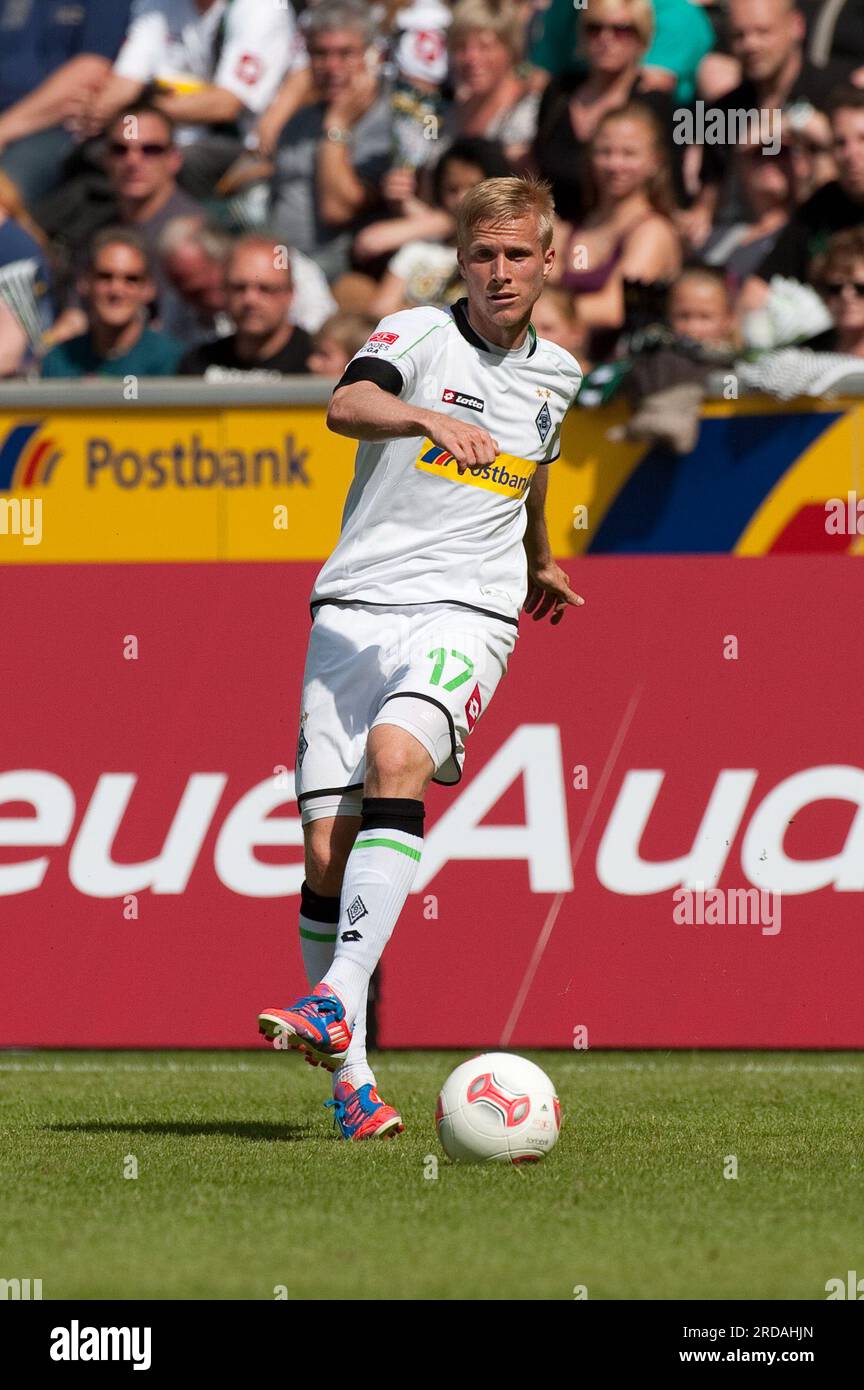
x: 508, y: 474
x: 473, y: 708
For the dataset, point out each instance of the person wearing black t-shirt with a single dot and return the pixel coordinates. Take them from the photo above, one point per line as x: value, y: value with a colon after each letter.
x: 767, y: 37
x: 832, y: 208
x: 258, y: 294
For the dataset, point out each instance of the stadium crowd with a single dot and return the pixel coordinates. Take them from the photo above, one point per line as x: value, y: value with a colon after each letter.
x: 222, y: 187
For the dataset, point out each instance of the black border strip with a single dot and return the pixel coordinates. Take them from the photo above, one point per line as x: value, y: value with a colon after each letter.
x: 423, y: 603
x: 329, y: 791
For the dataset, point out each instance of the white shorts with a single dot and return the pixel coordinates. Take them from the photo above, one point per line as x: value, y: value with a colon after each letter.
x: 430, y: 668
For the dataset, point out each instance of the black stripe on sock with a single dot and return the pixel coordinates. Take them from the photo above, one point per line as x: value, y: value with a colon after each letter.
x: 393, y: 813
x: 316, y: 907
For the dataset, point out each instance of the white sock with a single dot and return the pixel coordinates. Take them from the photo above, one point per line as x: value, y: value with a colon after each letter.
x: 378, y: 875
x: 317, y: 943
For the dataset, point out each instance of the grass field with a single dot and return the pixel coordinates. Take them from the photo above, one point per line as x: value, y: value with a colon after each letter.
x: 242, y: 1185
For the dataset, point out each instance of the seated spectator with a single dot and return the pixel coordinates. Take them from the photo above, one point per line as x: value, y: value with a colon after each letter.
x: 333, y: 152
x: 616, y: 35
x: 425, y: 271
x: 839, y: 277
x: 670, y: 365
x: 138, y: 189
x: 216, y: 67
x: 767, y: 37
x: 682, y: 36
x: 265, y: 344
x: 486, y: 40
x: 116, y: 288
x: 192, y: 256
x: 556, y: 316
x: 628, y: 233
x: 829, y: 362
x: 338, y: 340
x: 833, y: 208
x: 53, y: 61
x: 767, y: 185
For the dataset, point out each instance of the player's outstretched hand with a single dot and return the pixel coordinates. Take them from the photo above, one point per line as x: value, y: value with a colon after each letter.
x: 470, y: 445
x: 549, y: 588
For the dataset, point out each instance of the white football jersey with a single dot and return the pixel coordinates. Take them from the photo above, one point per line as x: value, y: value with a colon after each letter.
x: 413, y: 529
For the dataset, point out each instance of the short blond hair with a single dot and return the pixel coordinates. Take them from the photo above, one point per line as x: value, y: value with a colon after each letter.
x: 506, y: 200
x: 501, y: 16
x: 640, y: 13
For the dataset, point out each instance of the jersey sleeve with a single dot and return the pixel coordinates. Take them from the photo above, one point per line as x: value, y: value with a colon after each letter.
x: 571, y: 382
x: 144, y: 46
x: 398, y: 355
x: 258, y: 52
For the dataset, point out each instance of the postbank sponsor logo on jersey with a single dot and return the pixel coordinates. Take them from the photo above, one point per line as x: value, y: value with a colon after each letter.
x: 508, y: 474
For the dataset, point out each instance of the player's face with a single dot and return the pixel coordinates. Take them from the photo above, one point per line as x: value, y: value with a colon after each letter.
x: 505, y: 269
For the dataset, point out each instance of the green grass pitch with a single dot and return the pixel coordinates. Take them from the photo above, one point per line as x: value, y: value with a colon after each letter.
x: 243, y: 1187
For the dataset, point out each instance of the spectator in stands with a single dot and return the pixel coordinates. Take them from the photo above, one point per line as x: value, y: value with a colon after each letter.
x: 333, y: 152
x: 337, y: 341
x: 766, y: 180
x: 616, y: 35
x: 628, y: 233
x: 424, y: 271
x: 487, y: 40
x: 193, y: 256
x: 53, y: 61
x: 556, y: 317
x: 682, y: 36
x: 833, y: 208
x: 216, y: 65
x: 839, y: 276
x: 767, y: 36
x: 26, y: 285
x: 265, y: 344
x: 117, y: 288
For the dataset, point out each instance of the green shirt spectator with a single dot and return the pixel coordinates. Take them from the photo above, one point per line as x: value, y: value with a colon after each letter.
x: 682, y: 37
x: 154, y: 354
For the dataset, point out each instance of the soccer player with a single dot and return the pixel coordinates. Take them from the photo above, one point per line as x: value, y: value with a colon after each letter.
x: 458, y: 412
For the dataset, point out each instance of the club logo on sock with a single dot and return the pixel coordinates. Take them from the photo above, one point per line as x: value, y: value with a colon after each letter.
x: 356, y: 910
x: 351, y: 936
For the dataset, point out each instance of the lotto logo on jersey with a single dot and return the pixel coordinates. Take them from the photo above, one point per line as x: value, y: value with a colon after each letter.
x: 508, y: 475
x: 456, y: 398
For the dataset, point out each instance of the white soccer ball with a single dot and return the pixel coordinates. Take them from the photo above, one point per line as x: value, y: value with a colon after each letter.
x: 500, y: 1107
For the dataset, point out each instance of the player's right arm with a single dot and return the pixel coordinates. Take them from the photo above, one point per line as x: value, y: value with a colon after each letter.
x: 364, y: 410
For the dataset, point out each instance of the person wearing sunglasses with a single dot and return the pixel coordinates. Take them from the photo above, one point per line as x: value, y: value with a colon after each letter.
x: 614, y: 38
x: 116, y: 289
x: 839, y: 277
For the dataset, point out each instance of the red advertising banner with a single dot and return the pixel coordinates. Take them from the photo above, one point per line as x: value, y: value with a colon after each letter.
x: 658, y: 840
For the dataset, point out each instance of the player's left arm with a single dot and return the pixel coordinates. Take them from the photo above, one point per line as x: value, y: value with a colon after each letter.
x: 548, y: 585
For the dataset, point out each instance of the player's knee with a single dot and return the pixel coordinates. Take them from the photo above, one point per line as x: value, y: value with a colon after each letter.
x: 397, y: 764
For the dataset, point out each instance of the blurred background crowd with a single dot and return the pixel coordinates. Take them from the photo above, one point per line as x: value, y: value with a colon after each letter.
x: 223, y: 187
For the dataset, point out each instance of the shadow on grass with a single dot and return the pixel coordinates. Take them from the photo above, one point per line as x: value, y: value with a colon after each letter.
x: 233, y: 1129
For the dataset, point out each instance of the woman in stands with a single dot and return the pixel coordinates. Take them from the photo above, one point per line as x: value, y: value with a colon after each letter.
x: 628, y: 233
